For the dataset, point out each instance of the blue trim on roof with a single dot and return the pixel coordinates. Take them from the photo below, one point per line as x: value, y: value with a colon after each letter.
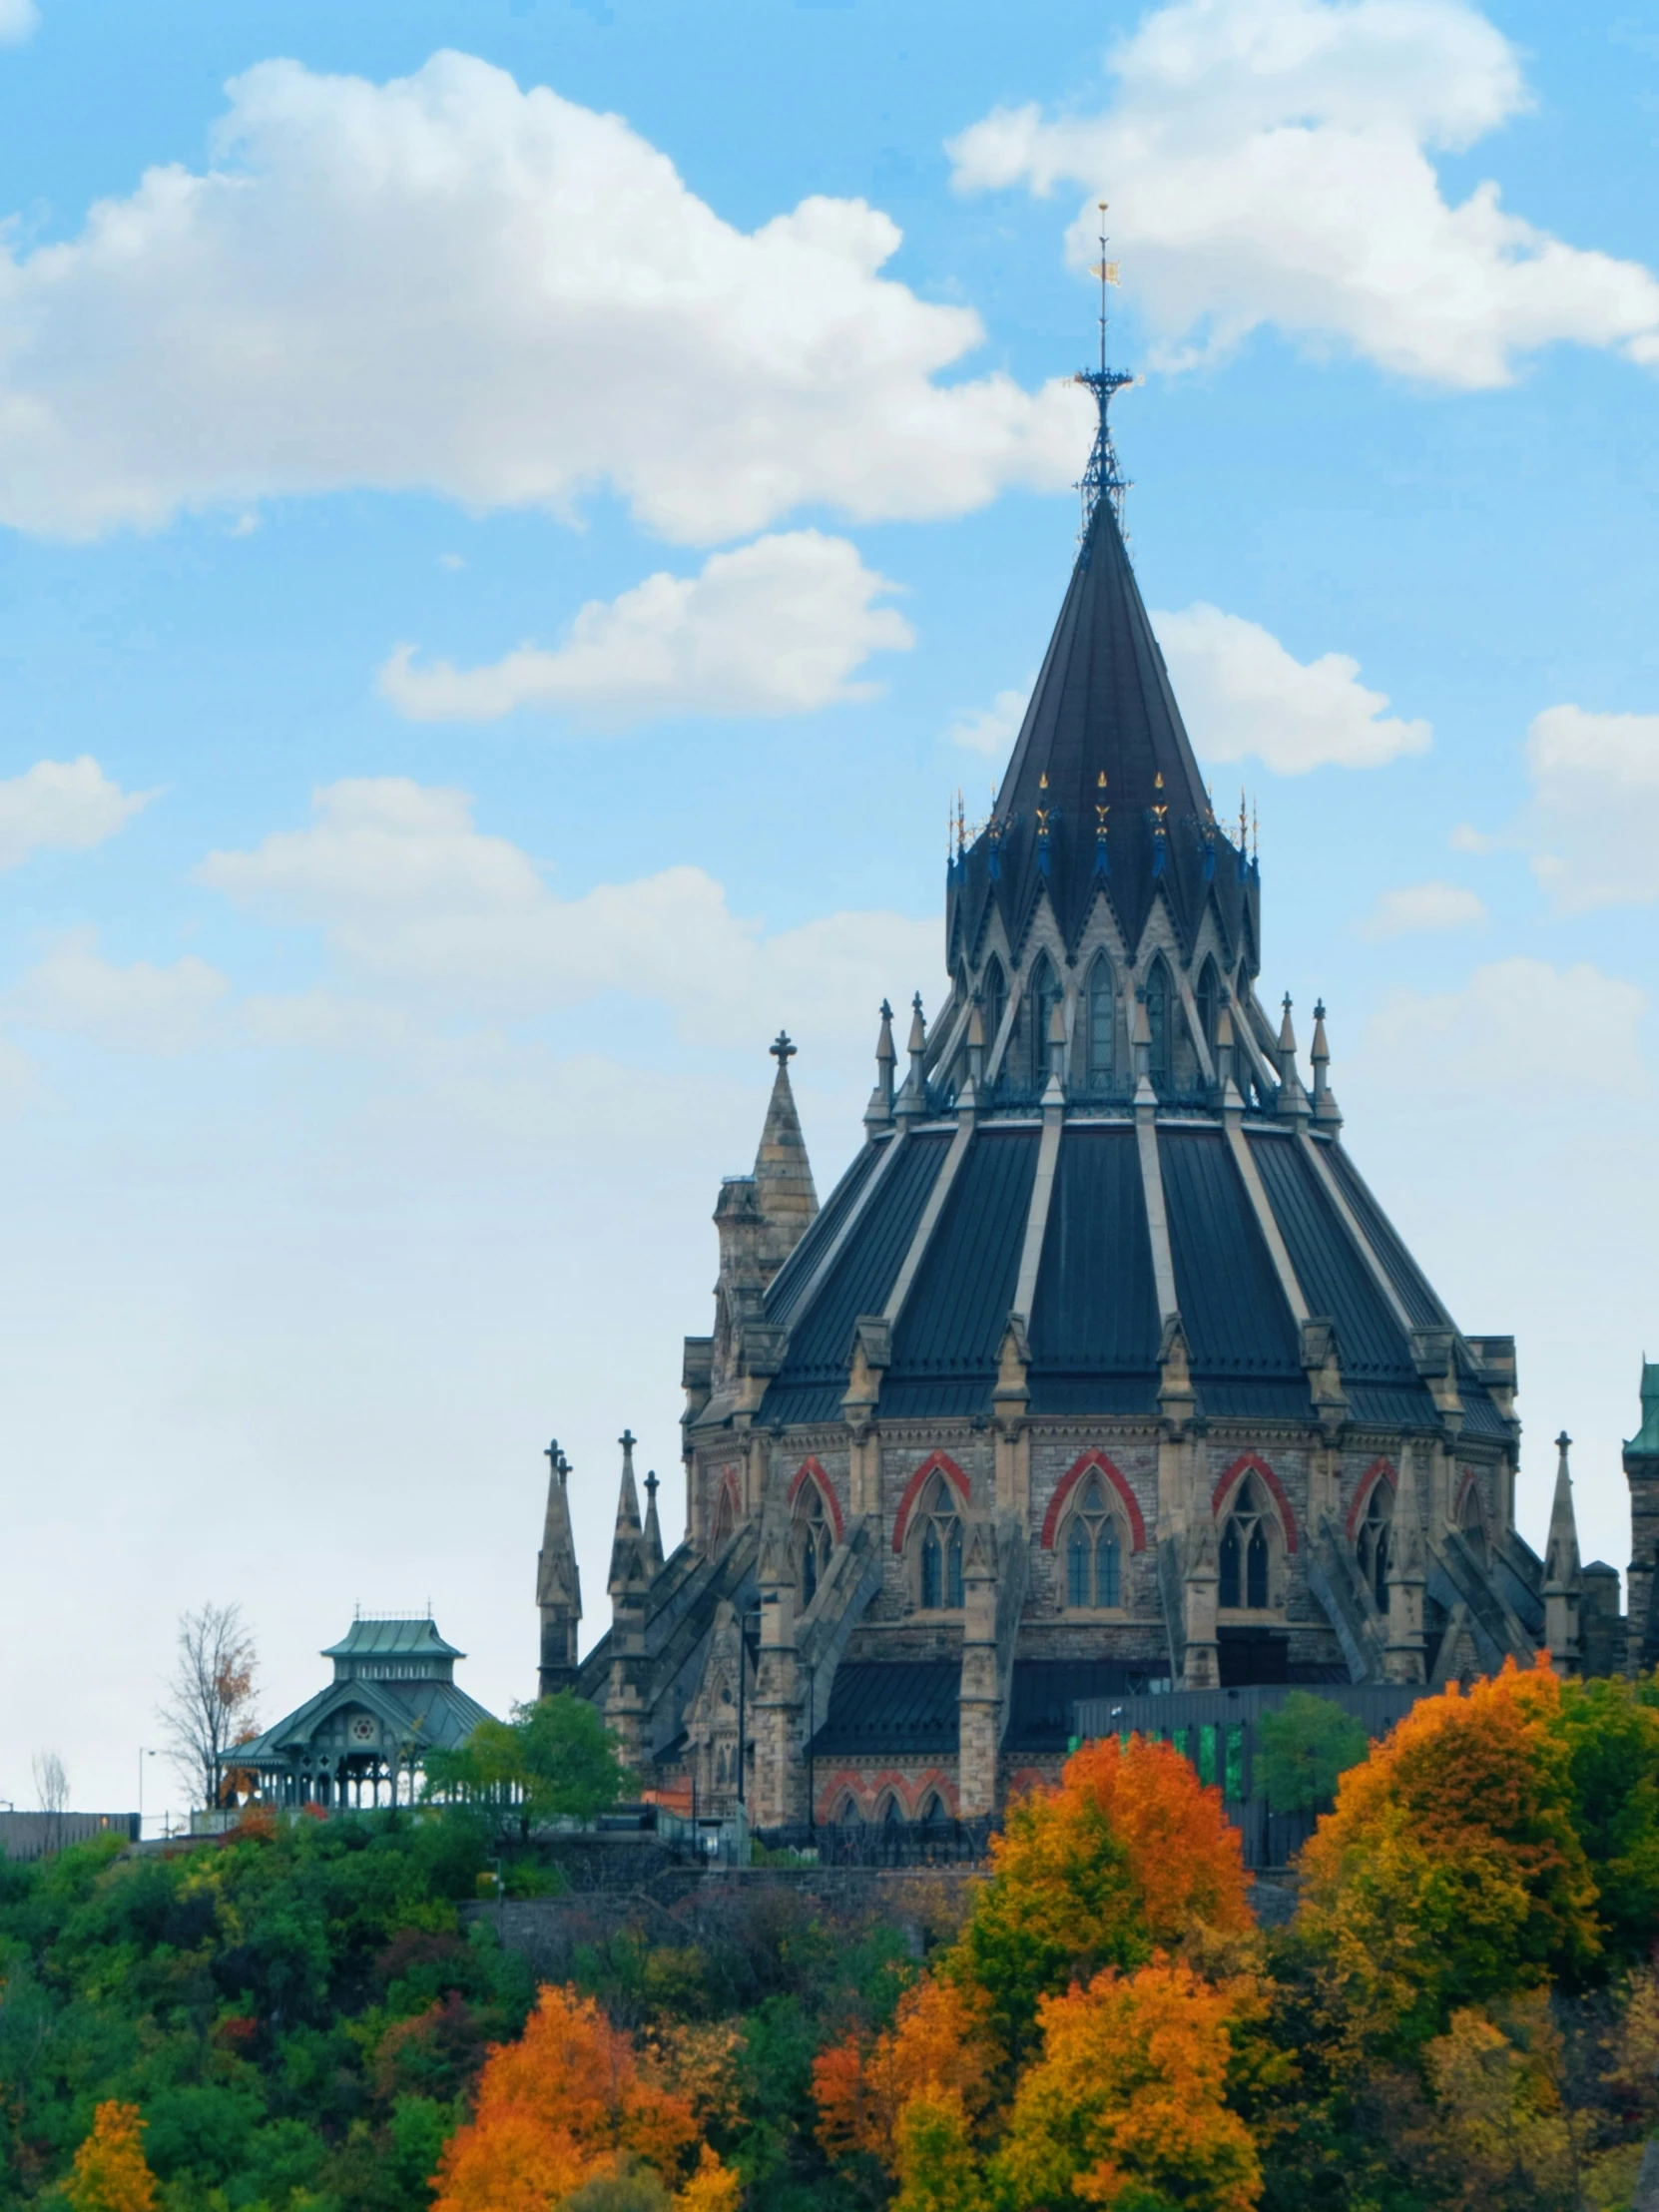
x: 946, y: 1342
x: 1094, y: 1323
x: 858, y: 1282
x: 1234, y: 1312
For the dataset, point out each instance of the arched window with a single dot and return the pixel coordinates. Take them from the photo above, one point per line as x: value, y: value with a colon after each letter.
x: 813, y: 1539
x: 933, y: 1812
x: 1209, y: 1003
x: 1247, y: 1551
x: 1157, y: 1022
x: 1093, y: 1550
x: 1041, y: 998
x: 722, y: 1515
x: 937, y: 1541
x: 848, y: 1813
x: 994, y: 995
x: 1473, y: 1522
x: 892, y: 1814
x: 1102, y: 1024
x: 1372, y: 1541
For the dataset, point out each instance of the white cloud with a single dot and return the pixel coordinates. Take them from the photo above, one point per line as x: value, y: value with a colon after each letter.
x: 62, y: 807
x: 1242, y: 693
x: 1517, y: 1023
x: 1423, y: 907
x: 18, y: 18
x: 776, y: 628
x: 1270, y: 162
x: 994, y: 728
x: 1593, y: 824
x: 410, y: 894
x: 446, y: 283
x: 139, y: 1008
x: 1467, y: 839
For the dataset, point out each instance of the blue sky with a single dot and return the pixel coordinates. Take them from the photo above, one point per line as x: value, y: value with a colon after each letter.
x: 514, y: 523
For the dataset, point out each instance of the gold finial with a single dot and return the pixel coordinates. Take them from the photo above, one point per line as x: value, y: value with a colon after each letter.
x: 1042, y: 780
x: 1158, y: 781
x: 1100, y: 781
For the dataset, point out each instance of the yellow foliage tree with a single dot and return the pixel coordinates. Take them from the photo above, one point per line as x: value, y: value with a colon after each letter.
x: 1502, y: 2130
x: 1127, y: 2104
x: 1129, y: 1855
x: 713, y: 2188
x: 111, y: 2172
x: 1450, y: 1871
x: 564, y: 2105
x: 936, y: 2049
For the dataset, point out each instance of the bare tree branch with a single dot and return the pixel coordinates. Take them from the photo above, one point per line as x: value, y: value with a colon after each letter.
x: 209, y: 1707
x: 52, y: 1788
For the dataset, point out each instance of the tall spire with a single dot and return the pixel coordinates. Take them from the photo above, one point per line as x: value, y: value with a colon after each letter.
x: 878, y: 1113
x: 653, y: 1528
x: 558, y: 1581
x: 784, y: 1188
x: 627, y: 1549
x: 1561, y: 1576
x: 1102, y: 477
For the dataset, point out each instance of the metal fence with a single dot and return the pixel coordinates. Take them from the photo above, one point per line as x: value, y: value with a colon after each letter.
x: 28, y: 1835
x: 885, y: 1844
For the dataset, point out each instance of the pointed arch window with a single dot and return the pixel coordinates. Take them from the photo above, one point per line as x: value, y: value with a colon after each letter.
x: 1093, y: 1549
x: 933, y: 1812
x: 722, y: 1514
x: 1208, y: 1003
x: 1041, y: 1000
x: 1157, y: 1024
x: 892, y: 1814
x: 994, y: 994
x: 1248, y: 1544
x: 1473, y: 1522
x: 848, y: 1813
x: 1102, y: 1024
x: 936, y: 1546
x: 813, y: 1540
x: 1374, y: 1540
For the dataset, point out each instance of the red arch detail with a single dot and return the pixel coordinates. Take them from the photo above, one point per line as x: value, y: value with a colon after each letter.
x: 940, y: 1463
x: 1252, y: 1462
x: 1379, y: 1471
x: 810, y: 1470
x: 1069, y: 1481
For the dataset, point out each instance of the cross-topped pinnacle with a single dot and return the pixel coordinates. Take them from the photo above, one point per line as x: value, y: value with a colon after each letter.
x: 782, y: 1050
x: 551, y: 1456
x: 1563, y: 1441
x: 628, y: 1440
x: 887, y: 1011
x: 651, y: 1484
x: 1318, y: 1010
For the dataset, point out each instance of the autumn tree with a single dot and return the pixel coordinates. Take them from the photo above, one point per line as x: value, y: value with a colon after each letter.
x: 209, y: 1707
x: 111, y: 2172
x: 564, y: 2107
x: 937, y: 2051
x: 1129, y: 1855
x: 1451, y: 1870
x: 1126, y: 2105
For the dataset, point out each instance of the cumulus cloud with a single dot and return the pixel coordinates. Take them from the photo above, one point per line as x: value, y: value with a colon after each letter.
x: 1520, y: 1021
x: 1272, y: 161
x: 1423, y: 907
x: 62, y: 807
x: 138, y: 1008
x: 994, y: 728
x: 412, y: 894
x: 1593, y: 824
x: 447, y: 284
x: 1242, y: 693
x: 776, y: 628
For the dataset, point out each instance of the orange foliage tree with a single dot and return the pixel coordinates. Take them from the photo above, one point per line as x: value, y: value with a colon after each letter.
x: 1128, y: 1856
x: 1450, y: 1871
x: 564, y: 2105
x: 1127, y: 2104
x: 936, y: 2050
x: 111, y: 2172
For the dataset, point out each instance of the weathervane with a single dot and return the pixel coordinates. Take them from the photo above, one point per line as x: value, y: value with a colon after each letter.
x: 1103, y: 473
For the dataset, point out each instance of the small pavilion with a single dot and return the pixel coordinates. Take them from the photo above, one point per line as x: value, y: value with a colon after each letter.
x: 362, y: 1742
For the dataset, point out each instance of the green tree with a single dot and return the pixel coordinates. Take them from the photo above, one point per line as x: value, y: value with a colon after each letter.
x: 1611, y: 1730
x: 553, y: 1759
x: 1303, y: 1750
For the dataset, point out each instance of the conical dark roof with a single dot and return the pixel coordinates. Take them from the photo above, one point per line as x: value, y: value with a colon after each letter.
x: 1102, y: 706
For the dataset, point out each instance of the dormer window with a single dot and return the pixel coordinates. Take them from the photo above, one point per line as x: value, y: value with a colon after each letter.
x: 1374, y: 1541
x: 1041, y: 1000
x: 995, y: 997
x: 1102, y: 1024
x: 1158, y: 1025
x: 813, y: 1540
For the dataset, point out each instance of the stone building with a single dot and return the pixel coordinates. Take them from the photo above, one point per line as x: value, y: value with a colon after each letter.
x: 1100, y: 1370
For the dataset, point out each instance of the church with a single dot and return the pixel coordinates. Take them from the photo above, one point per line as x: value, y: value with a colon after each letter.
x: 1100, y: 1373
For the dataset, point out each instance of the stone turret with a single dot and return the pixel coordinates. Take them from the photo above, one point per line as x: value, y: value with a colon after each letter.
x: 558, y: 1582
x: 784, y: 1190
x: 1561, y: 1571
x: 653, y: 1534
x: 759, y: 1219
x: 1641, y: 1469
